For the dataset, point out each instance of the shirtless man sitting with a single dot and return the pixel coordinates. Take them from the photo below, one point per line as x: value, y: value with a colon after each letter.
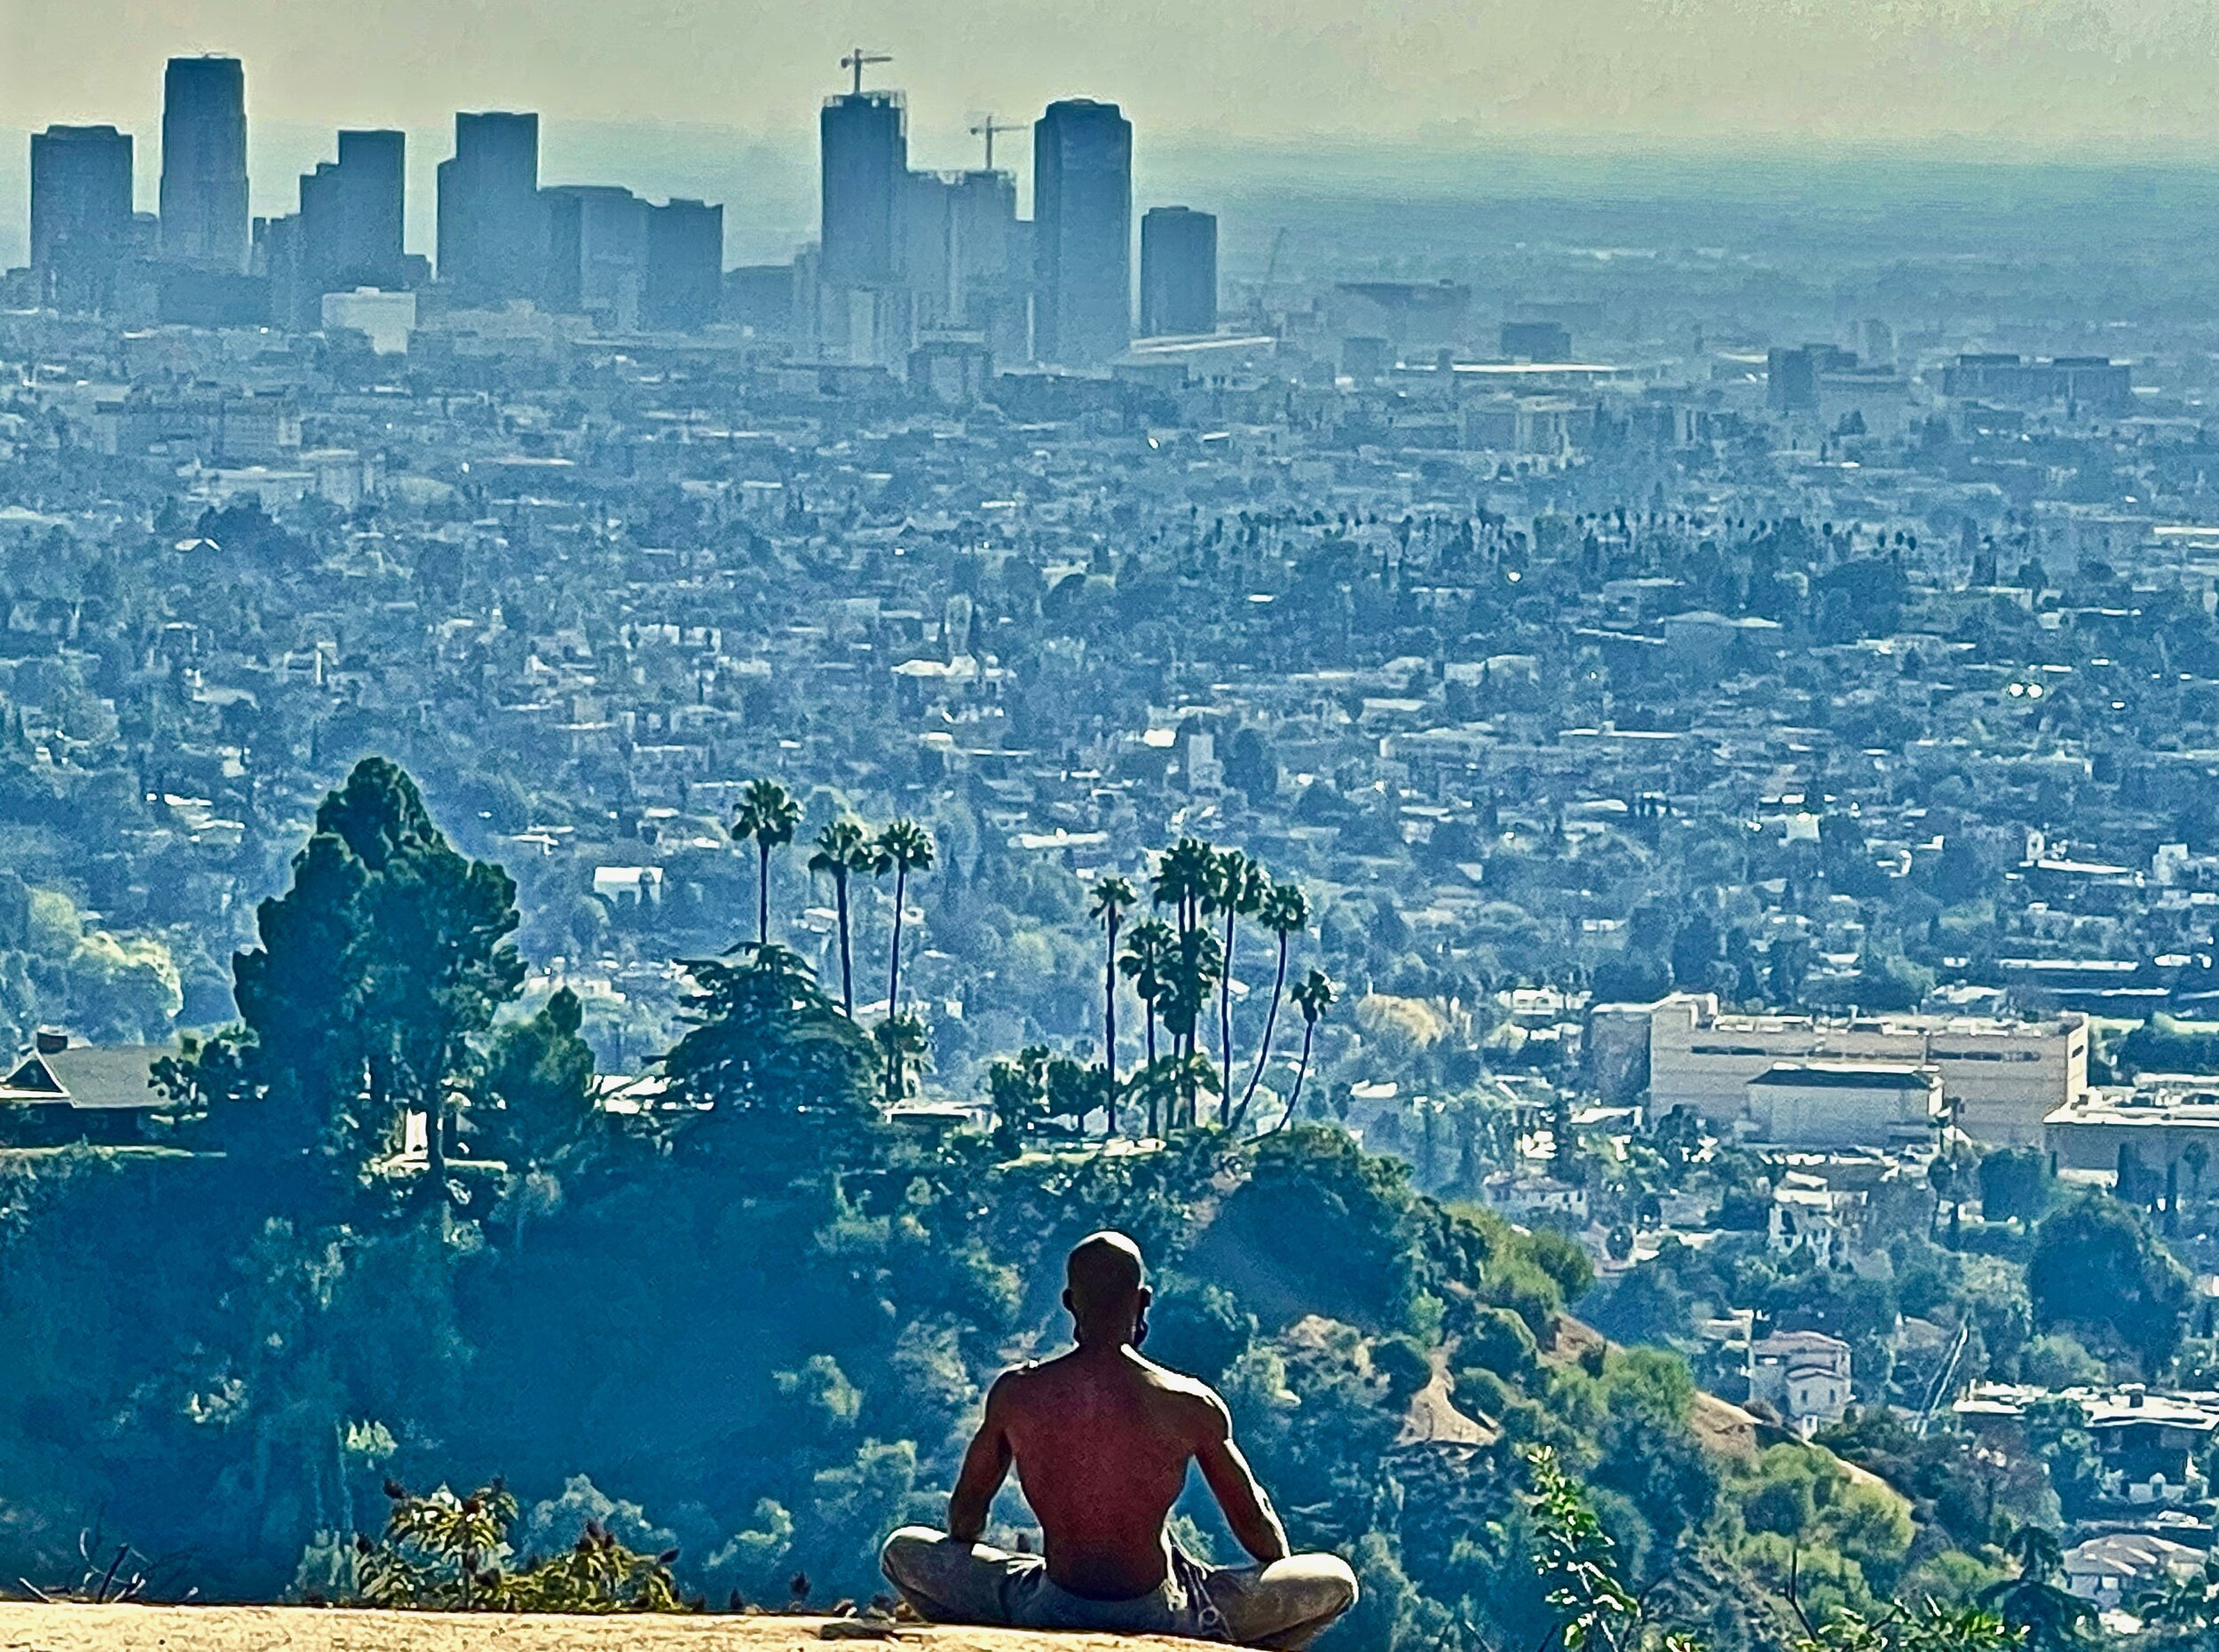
x: 1100, y: 1439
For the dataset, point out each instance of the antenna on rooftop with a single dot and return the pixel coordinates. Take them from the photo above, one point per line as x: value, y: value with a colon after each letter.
x: 859, y: 59
x: 986, y: 128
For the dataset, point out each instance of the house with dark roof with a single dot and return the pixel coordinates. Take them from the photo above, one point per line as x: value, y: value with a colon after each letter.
x: 59, y: 1092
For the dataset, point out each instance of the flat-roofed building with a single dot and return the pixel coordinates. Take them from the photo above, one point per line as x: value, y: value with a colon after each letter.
x: 1845, y: 1103
x: 2000, y: 1078
x: 2166, y: 1120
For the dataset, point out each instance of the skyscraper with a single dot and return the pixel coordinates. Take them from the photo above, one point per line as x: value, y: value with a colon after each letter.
x: 597, y: 253
x: 864, y: 158
x: 989, y: 261
x: 492, y: 230
x: 204, y: 221
x: 1082, y: 217
x: 1179, y: 271
x: 81, y: 213
x: 685, y: 266
x: 347, y: 233
x: 351, y: 212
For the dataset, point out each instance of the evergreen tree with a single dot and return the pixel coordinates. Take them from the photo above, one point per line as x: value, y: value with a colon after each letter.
x: 375, y: 970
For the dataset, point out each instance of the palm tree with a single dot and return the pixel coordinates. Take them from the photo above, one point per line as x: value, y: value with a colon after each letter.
x: 1183, y: 879
x: 1146, y: 964
x: 1112, y: 897
x: 1197, y: 965
x: 902, y: 847
x: 901, y: 1047
x: 1312, y: 995
x: 1284, y: 911
x: 768, y: 815
x: 1237, y: 888
x: 844, y: 848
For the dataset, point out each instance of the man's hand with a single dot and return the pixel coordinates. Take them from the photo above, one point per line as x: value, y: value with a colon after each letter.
x: 985, y: 1465
x: 1247, y: 1510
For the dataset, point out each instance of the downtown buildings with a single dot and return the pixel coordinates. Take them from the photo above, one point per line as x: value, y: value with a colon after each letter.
x: 911, y: 267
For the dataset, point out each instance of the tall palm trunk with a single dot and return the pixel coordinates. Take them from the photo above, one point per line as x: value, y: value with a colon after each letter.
x: 763, y: 893
x: 846, y: 965
x: 1271, y: 1020
x: 1301, y: 1072
x: 1153, y: 1121
x: 894, y: 960
x: 1225, y: 1024
x: 1110, y: 1011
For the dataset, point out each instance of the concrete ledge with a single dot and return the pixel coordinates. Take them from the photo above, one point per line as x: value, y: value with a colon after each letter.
x: 34, y: 1628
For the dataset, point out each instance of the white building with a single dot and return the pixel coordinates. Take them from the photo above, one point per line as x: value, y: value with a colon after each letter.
x: 1802, y: 1376
x: 2000, y: 1079
x: 2111, y: 1571
x: 1844, y: 1103
x: 1523, y: 1197
x: 385, y: 319
x: 1807, y: 1213
x: 2159, y: 1123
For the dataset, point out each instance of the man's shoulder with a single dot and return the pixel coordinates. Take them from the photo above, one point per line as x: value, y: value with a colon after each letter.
x: 1180, y: 1385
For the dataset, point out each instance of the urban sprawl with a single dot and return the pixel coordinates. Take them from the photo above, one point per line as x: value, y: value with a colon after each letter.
x: 1753, y: 795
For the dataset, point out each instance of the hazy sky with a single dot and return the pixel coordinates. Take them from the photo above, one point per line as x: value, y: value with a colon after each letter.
x: 2096, y: 79
x: 2040, y: 70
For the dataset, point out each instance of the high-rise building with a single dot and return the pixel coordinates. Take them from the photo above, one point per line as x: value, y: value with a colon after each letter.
x: 1082, y: 220
x: 492, y: 228
x: 597, y: 253
x: 863, y: 159
x: 204, y: 219
x: 1179, y: 271
x: 685, y: 266
x: 350, y: 225
x: 990, y: 266
x: 81, y: 213
x: 924, y: 247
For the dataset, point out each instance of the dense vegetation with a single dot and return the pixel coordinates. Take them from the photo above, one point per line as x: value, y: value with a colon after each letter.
x: 752, y: 1321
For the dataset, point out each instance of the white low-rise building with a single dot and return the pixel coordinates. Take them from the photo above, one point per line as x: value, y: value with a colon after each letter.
x: 1802, y: 1376
x: 2000, y: 1079
x: 1843, y: 1104
x: 2165, y: 1121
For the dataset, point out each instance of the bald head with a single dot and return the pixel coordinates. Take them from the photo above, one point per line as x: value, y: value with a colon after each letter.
x: 1105, y: 1287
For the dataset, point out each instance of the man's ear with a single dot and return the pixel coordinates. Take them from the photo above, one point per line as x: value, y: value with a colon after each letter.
x: 1067, y: 1303
x: 1146, y: 1298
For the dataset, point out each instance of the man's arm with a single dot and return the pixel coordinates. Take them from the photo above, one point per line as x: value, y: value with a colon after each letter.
x: 985, y: 1465
x: 1247, y: 1510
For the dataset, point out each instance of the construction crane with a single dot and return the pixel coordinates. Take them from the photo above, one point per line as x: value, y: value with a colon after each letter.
x: 986, y: 128
x: 1271, y: 276
x: 859, y: 58
x: 1271, y: 270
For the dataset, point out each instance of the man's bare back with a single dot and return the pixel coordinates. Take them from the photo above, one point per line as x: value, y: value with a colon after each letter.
x: 1100, y: 1439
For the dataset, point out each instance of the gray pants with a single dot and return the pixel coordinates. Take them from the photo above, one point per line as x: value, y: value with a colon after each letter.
x: 1284, y: 1605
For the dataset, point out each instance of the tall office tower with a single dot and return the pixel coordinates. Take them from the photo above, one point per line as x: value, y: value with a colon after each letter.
x: 597, y: 253
x: 350, y: 230
x: 685, y: 266
x: 863, y: 159
x: 493, y: 229
x: 81, y: 213
x: 1082, y: 220
x: 1179, y: 271
x: 924, y: 223
x: 204, y: 221
x: 989, y: 269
